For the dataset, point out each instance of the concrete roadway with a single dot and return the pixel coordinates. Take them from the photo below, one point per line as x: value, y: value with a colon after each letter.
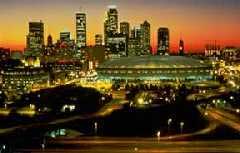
x: 106, y: 110
x: 141, y: 145
x: 225, y: 118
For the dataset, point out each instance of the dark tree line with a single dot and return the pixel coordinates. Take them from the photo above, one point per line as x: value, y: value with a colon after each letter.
x: 85, y: 99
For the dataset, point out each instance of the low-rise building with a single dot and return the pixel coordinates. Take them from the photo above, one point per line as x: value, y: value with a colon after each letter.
x: 22, y: 79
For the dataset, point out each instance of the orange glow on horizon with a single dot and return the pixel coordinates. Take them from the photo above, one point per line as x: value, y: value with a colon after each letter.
x: 195, y: 25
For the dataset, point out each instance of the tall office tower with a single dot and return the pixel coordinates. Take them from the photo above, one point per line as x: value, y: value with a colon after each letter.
x: 125, y: 28
x: 145, y: 37
x: 111, y: 23
x: 181, y: 47
x: 98, y: 40
x: 138, y: 32
x: 132, y: 33
x: 163, y: 41
x: 125, y: 31
x: 134, y: 44
x: 35, y: 39
x: 135, y: 32
x: 81, y: 30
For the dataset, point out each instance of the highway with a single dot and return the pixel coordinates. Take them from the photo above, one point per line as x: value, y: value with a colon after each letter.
x: 117, y: 103
x: 105, y: 110
x: 141, y: 145
x: 225, y: 118
x: 156, y: 144
x: 208, y: 94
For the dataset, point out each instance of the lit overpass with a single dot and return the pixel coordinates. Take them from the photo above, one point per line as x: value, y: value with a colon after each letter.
x: 141, y: 145
x: 208, y: 94
x: 225, y: 118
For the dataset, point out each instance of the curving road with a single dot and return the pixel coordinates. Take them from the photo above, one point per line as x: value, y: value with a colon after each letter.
x: 130, y: 145
x: 225, y: 118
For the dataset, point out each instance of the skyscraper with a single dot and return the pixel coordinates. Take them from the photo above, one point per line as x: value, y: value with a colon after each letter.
x: 111, y: 23
x: 125, y: 31
x: 139, y: 42
x: 35, y: 39
x: 163, y: 41
x: 98, y: 40
x: 134, y: 44
x: 81, y: 30
x: 181, y: 47
x: 125, y: 28
x: 145, y: 37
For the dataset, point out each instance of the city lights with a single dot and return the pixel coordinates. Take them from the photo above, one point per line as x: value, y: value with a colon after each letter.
x: 122, y: 76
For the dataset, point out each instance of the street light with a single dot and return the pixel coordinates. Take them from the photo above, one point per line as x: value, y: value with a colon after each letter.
x: 169, y: 123
x: 158, y: 135
x: 2, y: 148
x: 181, y: 127
x: 232, y: 98
x: 95, y: 127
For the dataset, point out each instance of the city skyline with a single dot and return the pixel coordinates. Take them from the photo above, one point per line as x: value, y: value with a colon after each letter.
x: 216, y: 20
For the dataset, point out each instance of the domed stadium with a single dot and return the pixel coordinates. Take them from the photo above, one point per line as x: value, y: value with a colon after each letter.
x: 158, y: 68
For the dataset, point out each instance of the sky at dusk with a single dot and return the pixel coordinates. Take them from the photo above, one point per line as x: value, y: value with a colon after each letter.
x: 196, y: 21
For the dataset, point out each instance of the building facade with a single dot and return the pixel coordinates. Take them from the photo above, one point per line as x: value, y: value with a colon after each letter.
x: 4, y: 53
x: 163, y: 41
x: 81, y: 30
x: 181, y: 48
x: 155, y: 69
x: 139, y: 41
x: 98, y: 40
x: 111, y: 23
x: 117, y: 45
x: 230, y: 53
x: 22, y: 79
x: 35, y: 39
x: 145, y: 38
x: 213, y: 50
x: 125, y: 28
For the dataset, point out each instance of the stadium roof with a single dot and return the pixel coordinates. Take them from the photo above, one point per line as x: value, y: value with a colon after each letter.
x: 154, y: 62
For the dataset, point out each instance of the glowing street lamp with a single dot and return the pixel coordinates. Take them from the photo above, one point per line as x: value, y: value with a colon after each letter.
x: 2, y: 149
x: 95, y: 127
x: 181, y: 127
x: 232, y: 98
x: 158, y: 135
x: 169, y: 123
